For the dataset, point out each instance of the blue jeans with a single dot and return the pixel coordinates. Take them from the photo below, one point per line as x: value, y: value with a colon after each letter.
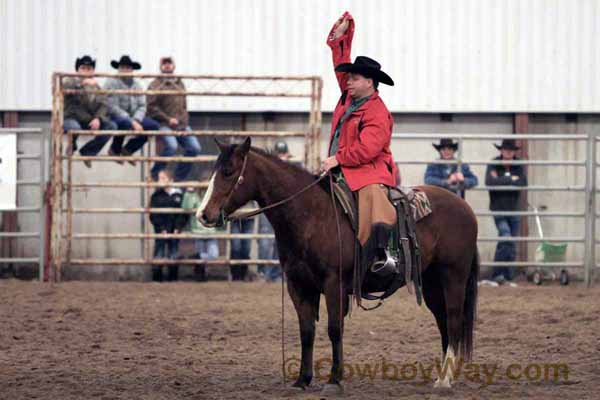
x: 207, y: 249
x: 267, y: 250
x: 506, y: 251
x: 240, y: 248
x: 125, y: 124
x: 165, y: 248
x: 94, y: 146
x: 191, y: 148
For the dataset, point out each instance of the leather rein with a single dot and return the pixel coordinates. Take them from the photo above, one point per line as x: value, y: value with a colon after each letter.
x: 240, y: 181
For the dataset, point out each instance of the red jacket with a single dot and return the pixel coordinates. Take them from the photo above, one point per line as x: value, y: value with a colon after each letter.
x: 364, y: 145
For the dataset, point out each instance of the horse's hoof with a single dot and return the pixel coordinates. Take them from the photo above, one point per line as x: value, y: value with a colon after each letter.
x: 332, y: 389
x: 442, y: 383
x: 299, y: 386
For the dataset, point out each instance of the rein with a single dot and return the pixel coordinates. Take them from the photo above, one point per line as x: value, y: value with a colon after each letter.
x: 240, y: 216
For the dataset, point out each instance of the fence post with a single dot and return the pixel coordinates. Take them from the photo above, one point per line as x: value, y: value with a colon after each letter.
x: 590, y: 210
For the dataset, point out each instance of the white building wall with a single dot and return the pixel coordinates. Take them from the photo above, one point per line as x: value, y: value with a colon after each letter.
x: 445, y: 56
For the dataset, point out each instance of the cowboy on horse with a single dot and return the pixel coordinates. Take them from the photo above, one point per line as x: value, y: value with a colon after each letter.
x: 359, y: 146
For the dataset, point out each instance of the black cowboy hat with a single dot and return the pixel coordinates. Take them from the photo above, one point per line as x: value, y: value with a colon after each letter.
x: 446, y: 143
x: 85, y: 60
x: 368, y: 68
x: 508, y: 144
x: 125, y: 60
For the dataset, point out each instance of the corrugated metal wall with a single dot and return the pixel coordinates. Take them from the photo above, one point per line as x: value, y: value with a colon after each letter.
x: 453, y: 56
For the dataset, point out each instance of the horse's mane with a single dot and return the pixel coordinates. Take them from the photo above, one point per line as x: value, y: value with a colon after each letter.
x: 288, y: 166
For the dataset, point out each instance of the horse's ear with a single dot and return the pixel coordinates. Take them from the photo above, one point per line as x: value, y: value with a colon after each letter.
x: 222, y: 146
x: 246, y: 145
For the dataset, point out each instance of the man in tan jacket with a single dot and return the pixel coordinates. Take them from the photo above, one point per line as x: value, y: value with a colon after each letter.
x: 171, y: 112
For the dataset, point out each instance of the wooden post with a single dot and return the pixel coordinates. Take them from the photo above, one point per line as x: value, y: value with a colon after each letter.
x: 521, y: 126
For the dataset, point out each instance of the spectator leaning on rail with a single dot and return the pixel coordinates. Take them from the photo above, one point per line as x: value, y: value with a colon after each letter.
x: 447, y: 175
x: 171, y: 112
x: 86, y: 110
x: 166, y: 197
x: 503, y: 174
x: 128, y: 111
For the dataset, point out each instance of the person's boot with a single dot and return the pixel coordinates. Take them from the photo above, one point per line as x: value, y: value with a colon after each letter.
x: 173, y: 272
x: 200, y: 273
x: 157, y: 273
x: 127, y: 153
x: 112, y: 153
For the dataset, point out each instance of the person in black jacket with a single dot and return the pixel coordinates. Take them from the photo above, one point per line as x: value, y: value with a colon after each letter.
x: 166, y: 197
x: 503, y: 174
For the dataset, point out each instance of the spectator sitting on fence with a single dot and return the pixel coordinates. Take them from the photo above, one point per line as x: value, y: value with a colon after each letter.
x: 267, y: 249
x: 171, y: 112
x: 206, y: 249
x: 164, y: 223
x: 504, y: 174
x: 447, y: 175
x: 128, y: 111
x: 86, y: 110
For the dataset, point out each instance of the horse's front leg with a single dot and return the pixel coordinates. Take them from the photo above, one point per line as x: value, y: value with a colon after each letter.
x: 337, y: 308
x: 307, y: 308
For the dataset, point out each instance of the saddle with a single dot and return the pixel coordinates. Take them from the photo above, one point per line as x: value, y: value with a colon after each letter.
x: 410, y: 205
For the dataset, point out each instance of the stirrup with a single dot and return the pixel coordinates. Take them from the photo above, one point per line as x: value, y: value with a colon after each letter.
x: 385, y: 267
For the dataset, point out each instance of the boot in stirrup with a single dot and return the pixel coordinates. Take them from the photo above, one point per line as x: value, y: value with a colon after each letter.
x: 386, y: 267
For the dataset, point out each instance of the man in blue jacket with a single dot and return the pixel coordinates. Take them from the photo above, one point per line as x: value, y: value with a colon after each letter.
x: 447, y: 175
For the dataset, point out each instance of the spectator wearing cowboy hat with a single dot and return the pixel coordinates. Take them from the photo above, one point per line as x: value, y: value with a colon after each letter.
x: 171, y: 112
x: 504, y: 174
x: 86, y: 110
x: 128, y: 111
x: 447, y: 175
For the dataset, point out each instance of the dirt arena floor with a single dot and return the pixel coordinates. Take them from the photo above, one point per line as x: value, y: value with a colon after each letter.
x: 222, y: 340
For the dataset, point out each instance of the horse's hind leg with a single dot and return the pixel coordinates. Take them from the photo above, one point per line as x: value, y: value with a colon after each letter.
x: 434, y: 299
x: 307, y: 308
x: 453, y: 286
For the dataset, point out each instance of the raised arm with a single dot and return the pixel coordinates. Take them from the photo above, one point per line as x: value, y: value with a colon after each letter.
x: 340, y: 42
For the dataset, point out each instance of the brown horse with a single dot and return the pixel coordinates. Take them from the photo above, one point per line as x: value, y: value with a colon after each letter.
x: 307, y: 240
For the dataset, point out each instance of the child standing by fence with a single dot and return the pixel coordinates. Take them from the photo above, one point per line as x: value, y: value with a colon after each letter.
x: 205, y: 249
x: 166, y: 197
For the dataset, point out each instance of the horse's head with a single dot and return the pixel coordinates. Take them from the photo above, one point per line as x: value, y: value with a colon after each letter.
x: 228, y: 188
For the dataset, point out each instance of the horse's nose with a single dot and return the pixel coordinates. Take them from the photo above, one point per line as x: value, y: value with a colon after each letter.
x: 202, y: 218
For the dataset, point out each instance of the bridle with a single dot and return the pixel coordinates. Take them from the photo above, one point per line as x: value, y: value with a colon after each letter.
x: 240, y: 180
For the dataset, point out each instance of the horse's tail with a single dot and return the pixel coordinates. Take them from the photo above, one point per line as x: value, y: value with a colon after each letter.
x: 470, y: 309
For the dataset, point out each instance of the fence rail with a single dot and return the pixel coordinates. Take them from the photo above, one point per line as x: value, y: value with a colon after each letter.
x: 63, y: 204
x: 590, y: 190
